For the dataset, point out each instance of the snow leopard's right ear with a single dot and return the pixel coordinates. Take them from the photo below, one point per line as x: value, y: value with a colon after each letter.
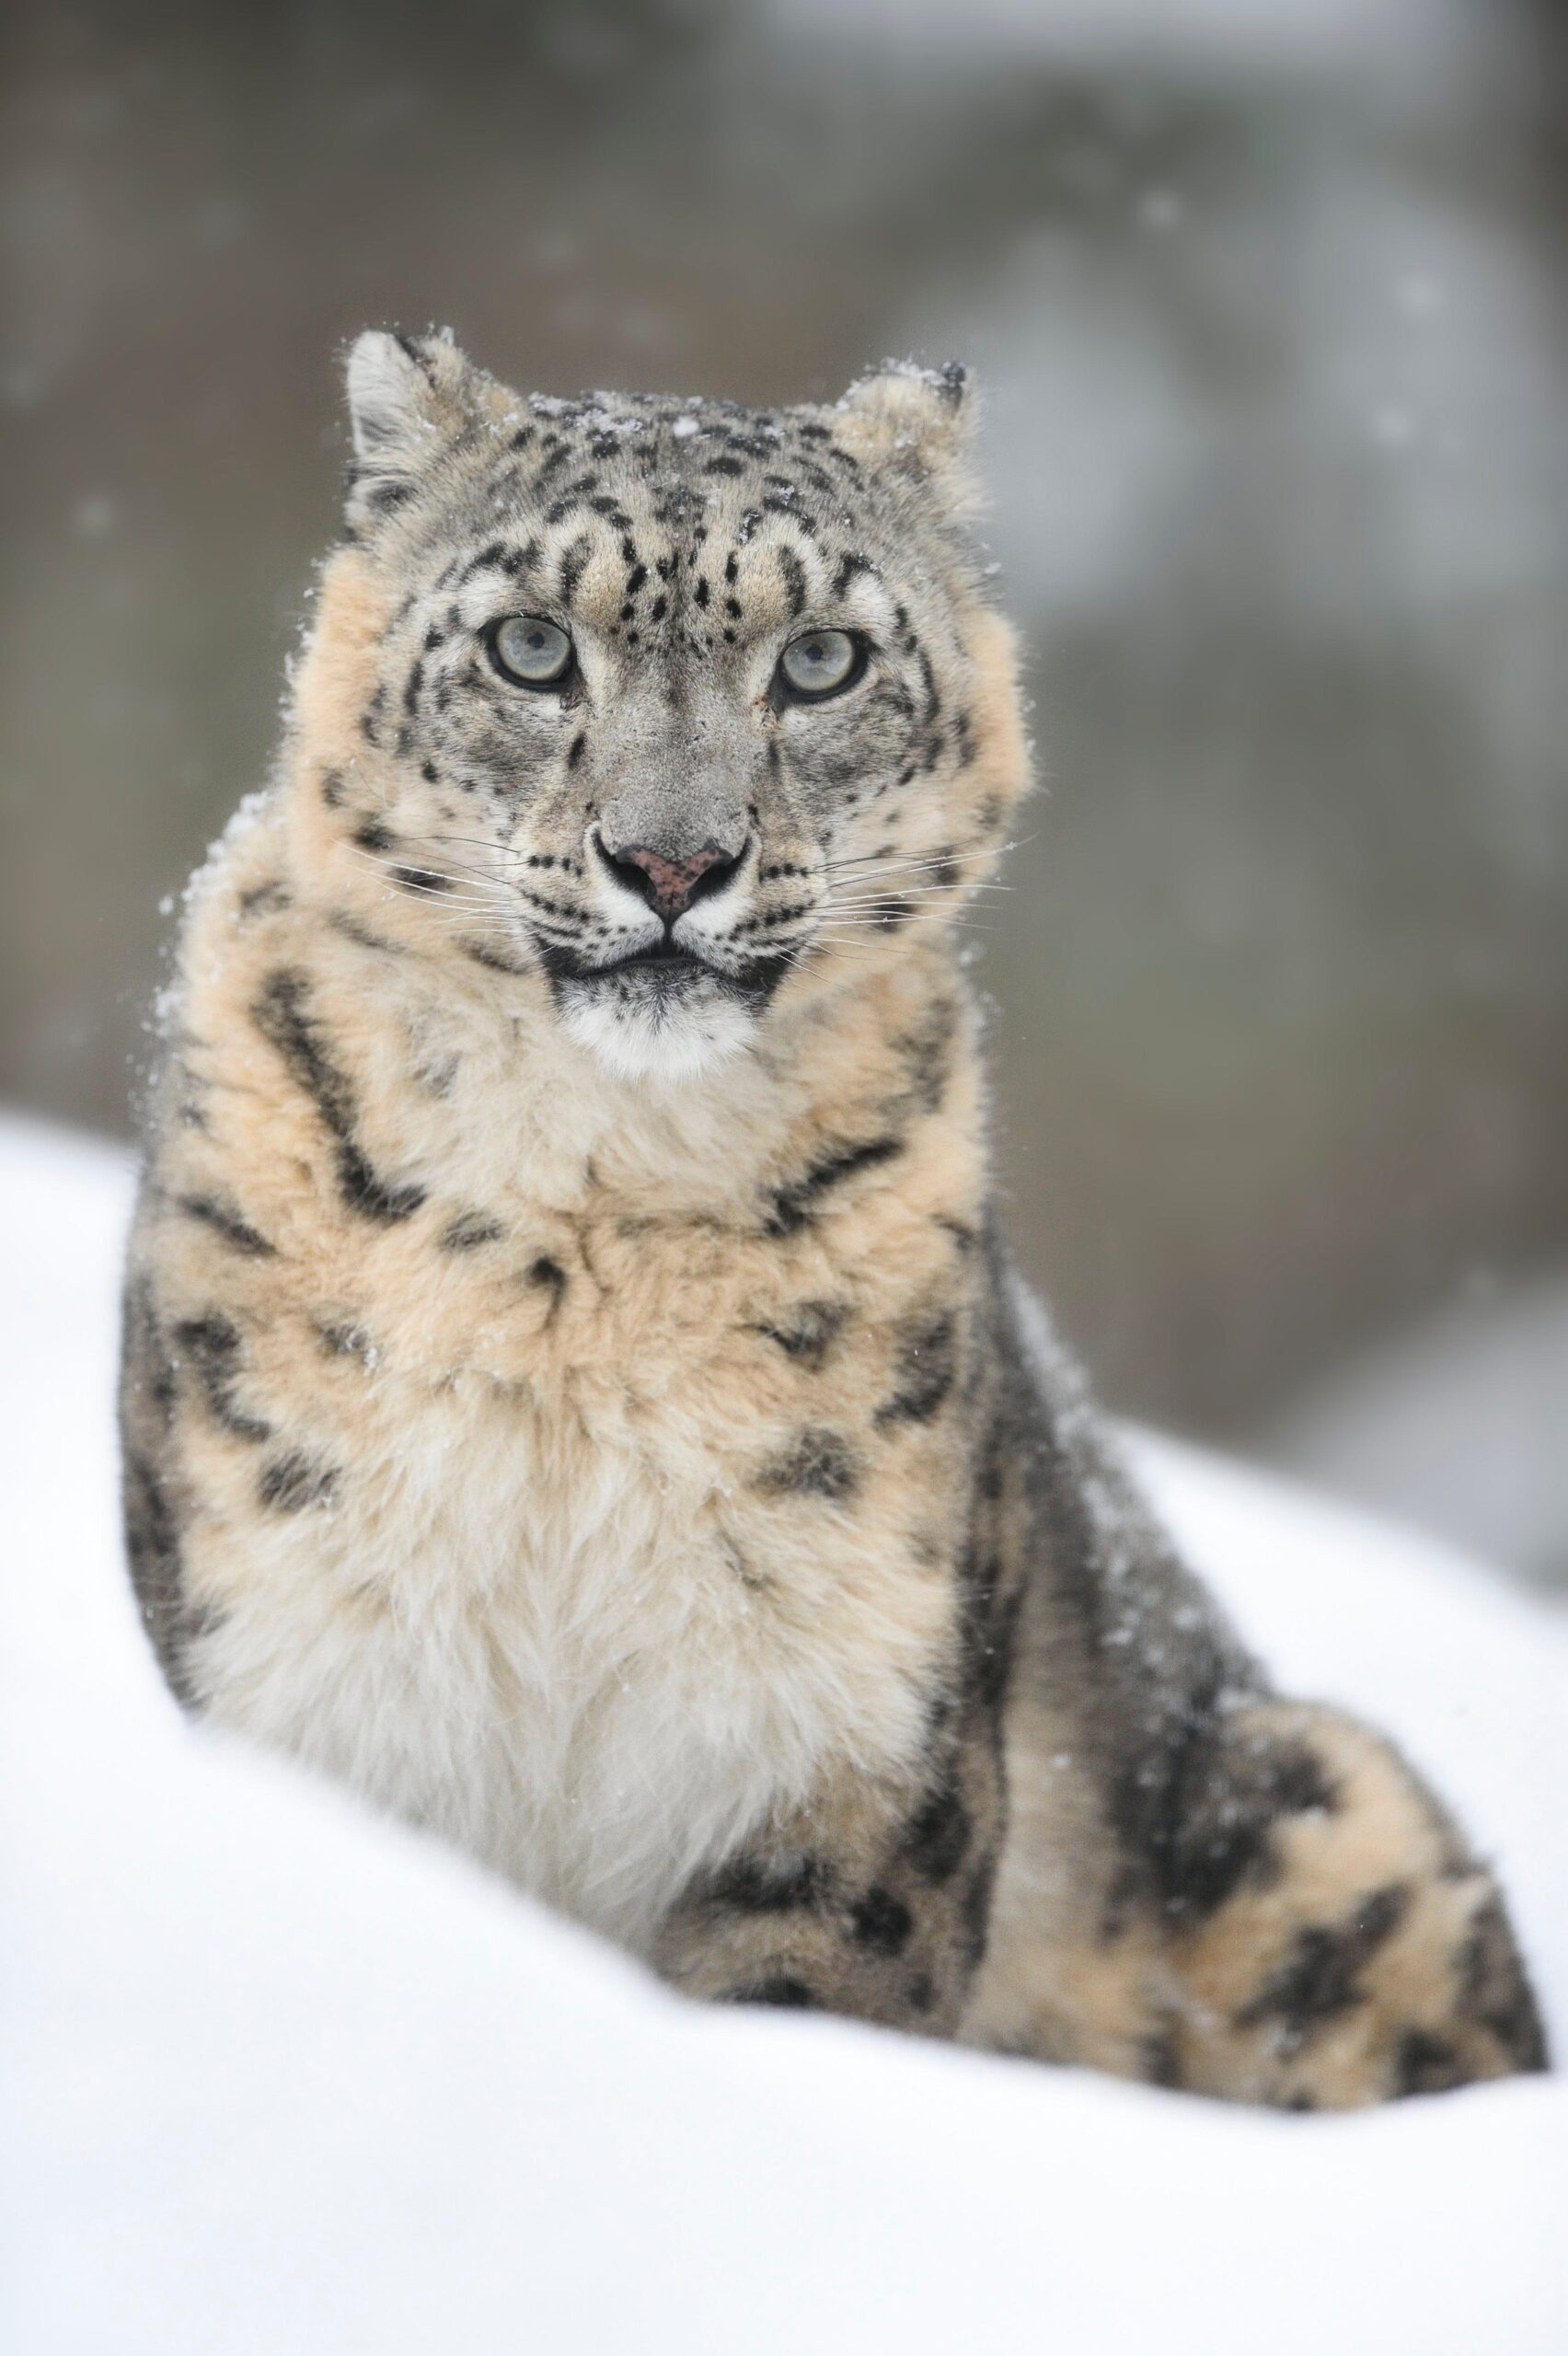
x: 407, y: 396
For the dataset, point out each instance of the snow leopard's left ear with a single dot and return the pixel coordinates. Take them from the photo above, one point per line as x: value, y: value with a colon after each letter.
x: 407, y: 396
x: 912, y: 419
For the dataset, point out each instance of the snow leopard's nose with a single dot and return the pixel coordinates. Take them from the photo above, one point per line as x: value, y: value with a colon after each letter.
x: 669, y: 885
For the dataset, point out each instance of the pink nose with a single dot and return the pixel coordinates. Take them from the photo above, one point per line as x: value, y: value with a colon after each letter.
x: 670, y: 886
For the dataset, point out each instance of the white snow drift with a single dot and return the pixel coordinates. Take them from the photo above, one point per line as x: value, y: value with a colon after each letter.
x: 284, y: 2078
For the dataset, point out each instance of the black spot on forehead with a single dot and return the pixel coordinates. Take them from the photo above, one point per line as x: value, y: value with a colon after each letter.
x: 573, y: 564
x: 495, y: 557
x: 612, y: 467
x: 574, y: 493
x: 801, y: 517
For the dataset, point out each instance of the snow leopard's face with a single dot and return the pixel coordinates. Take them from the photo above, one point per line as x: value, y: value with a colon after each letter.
x: 694, y: 706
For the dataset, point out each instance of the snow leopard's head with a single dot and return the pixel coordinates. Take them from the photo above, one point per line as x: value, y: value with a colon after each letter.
x: 698, y: 707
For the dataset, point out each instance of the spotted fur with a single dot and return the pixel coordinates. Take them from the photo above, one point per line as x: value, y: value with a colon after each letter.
x: 575, y: 1393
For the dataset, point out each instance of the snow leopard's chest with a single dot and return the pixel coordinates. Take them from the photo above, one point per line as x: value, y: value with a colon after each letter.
x: 567, y: 1624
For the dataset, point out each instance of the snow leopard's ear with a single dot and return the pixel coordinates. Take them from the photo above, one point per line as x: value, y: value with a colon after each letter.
x: 917, y: 420
x: 408, y: 396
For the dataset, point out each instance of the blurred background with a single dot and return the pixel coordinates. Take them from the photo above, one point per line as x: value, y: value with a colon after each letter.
x: 1270, y: 301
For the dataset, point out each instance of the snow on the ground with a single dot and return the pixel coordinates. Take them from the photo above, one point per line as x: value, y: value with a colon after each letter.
x: 284, y: 2078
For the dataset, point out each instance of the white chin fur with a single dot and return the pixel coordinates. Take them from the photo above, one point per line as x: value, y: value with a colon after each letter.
x: 658, y: 1042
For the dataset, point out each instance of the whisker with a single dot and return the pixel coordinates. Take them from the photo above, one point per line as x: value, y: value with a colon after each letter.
x: 909, y: 894
x: 473, y: 842
x: 378, y: 859
x: 412, y: 887
x: 934, y: 892
x: 952, y: 857
x: 933, y: 879
x: 895, y: 919
x: 462, y: 866
x: 882, y: 863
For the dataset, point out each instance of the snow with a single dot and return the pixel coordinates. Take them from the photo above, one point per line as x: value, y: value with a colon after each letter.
x: 285, y: 2077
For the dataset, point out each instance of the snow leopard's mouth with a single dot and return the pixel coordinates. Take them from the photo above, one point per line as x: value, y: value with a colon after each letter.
x: 662, y: 971
x: 659, y: 966
x: 665, y: 958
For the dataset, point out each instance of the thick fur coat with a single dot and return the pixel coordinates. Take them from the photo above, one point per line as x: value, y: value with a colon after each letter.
x: 574, y: 1390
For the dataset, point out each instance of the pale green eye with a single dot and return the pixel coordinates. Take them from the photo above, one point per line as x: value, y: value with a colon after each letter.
x: 820, y: 660
x: 533, y: 652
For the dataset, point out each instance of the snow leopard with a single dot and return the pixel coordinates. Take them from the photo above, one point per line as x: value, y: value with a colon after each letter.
x: 575, y: 1389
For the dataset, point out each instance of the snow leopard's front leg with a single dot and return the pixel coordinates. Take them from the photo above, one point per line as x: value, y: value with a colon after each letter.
x: 874, y: 1903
